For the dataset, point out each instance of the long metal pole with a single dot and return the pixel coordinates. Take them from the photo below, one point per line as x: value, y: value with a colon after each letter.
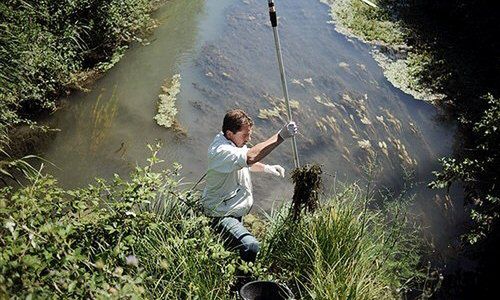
x: 274, y: 24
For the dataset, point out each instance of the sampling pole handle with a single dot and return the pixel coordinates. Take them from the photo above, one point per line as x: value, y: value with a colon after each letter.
x: 274, y: 24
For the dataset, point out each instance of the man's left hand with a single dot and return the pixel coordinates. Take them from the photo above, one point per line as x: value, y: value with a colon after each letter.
x: 275, y: 170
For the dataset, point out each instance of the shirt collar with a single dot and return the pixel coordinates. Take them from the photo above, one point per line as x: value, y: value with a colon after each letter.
x: 222, y: 137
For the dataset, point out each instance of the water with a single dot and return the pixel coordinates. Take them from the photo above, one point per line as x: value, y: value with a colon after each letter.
x: 348, y: 112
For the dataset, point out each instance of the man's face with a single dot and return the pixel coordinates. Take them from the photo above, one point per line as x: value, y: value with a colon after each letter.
x: 240, y: 138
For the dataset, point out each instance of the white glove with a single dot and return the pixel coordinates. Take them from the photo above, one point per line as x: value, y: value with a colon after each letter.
x: 289, y: 130
x: 275, y: 170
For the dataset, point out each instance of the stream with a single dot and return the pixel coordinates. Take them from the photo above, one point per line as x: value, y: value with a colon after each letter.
x: 348, y: 113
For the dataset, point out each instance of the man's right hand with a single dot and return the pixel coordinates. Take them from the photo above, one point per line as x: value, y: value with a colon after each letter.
x: 289, y: 130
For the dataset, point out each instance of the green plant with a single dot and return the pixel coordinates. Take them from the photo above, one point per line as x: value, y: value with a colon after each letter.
x: 136, y: 238
x: 477, y: 170
x: 47, y: 47
x: 342, y: 250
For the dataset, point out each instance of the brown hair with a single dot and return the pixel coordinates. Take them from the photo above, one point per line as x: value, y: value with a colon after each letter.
x: 234, y: 120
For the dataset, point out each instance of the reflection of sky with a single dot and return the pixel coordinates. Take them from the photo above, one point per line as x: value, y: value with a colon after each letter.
x: 224, y: 51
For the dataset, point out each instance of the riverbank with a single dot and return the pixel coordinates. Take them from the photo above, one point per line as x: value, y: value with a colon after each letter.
x: 444, y: 53
x: 399, y: 61
x: 76, y: 42
x: 147, y: 238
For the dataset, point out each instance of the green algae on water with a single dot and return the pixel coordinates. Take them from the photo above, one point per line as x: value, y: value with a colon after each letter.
x: 166, y: 106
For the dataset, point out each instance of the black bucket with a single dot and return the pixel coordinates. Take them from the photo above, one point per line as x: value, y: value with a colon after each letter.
x: 265, y: 290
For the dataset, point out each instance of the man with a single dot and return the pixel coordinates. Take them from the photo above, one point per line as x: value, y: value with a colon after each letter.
x: 228, y: 193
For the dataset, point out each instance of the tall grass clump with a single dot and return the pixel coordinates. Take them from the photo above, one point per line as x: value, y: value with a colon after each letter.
x: 343, y: 250
x: 136, y: 238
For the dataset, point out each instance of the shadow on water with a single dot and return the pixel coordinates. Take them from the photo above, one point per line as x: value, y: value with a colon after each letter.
x: 349, y: 114
x: 460, y: 39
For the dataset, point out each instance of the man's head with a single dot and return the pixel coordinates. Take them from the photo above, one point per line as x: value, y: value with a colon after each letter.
x: 237, y: 127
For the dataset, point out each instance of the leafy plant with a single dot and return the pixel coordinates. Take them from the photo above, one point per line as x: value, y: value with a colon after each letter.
x: 46, y: 47
x: 126, y: 238
x: 478, y: 171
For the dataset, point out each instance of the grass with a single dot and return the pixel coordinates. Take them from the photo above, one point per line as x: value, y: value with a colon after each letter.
x: 343, y: 251
x: 146, y: 237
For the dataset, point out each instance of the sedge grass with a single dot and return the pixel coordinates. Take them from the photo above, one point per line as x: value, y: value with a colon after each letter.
x: 342, y: 251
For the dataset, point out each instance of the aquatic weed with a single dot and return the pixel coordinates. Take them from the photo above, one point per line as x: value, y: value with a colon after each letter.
x: 308, y: 183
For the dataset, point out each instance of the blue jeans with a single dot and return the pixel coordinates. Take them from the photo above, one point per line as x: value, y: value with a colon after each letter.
x: 236, y: 236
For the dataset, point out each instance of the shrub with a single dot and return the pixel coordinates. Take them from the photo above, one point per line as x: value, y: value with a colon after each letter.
x: 136, y: 238
x: 477, y: 169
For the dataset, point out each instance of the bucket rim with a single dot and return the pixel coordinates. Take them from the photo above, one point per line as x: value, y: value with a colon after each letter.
x: 281, y: 285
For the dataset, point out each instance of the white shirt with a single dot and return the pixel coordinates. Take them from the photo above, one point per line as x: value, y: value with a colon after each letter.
x: 228, y: 191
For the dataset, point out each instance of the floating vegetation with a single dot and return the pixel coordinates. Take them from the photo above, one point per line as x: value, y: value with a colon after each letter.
x: 269, y: 113
x: 308, y: 183
x: 347, y: 98
x: 166, y: 107
x: 295, y: 104
x: 396, y: 58
x: 321, y: 126
x: 297, y: 82
x: 279, y: 110
x: 366, y: 145
x: 306, y: 80
x: 347, y: 159
x: 309, y: 80
x: 358, y: 106
x: 362, y: 67
x: 365, y: 120
x: 342, y: 108
x: 403, y: 155
x: 381, y: 120
x: 399, y: 72
x: 392, y: 119
x: 346, y: 151
x: 324, y: 102
x: 346, y: 14
x: 383, y: 147
x: 326, y: 122
x: 333, y: 125
x: 413, y: 128
x: 353, y: 133
x: 344, y: 65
